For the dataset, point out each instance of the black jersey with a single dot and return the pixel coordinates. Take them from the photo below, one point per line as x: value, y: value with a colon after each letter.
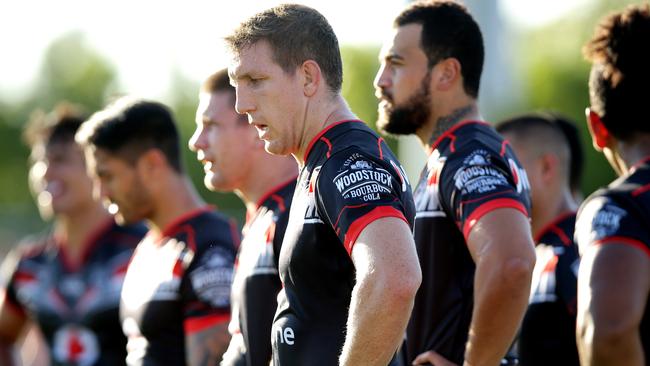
x: 75, y: 306
x: 350, y: 178
x: 547, y: 335
x: 470, y: 172
x: 257, y: 283
x: 178, y: 282
x: 620, y: 213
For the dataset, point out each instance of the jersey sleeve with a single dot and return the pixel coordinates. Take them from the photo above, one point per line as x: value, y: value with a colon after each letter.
x: 354, y: 189
x: 206, y: 285
x: 602, y: 220
x: 476, y: 180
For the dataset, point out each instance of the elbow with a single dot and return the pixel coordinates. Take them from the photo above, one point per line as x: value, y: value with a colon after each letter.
x: 604, y: 337
x: 402, y: 286
x: 517, y: 270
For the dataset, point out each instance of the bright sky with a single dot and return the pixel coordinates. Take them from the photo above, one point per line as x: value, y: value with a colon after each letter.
x: 148, y: 39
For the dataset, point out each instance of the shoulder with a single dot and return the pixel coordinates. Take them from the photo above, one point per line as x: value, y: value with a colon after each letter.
x: 213, y: 229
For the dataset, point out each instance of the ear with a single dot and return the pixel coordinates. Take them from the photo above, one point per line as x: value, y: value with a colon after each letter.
x: 600, y: 135
x: 150, y: 165
x: 446, y: 74
x: 312, y: 77
x: 549, y: 164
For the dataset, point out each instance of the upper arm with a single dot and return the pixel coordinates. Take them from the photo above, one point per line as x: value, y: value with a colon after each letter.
x: 12, y: 317
x: 502, y: 234
x: 614, y: 274
x: 387, y: 243
x: 613, y: 286
x: 12, y: 320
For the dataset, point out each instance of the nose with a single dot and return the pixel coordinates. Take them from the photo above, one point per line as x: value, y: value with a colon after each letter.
x: 243, y: 100
x: 196, y: 141
x: 382, y: 80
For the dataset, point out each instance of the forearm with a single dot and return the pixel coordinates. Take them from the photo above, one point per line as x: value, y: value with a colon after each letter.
x: 207, y: 346
x: 376, y: 324
x: 500, y: 300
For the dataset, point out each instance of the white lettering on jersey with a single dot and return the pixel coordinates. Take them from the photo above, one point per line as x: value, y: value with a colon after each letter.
x: 212, y: 278
x: 543, y: 282
x: 311, y: 213
x: 361, y: 179
x: 285, y: 335
x: 598, y: 219
x: 426, y: 195
x: 520, y: 177
x: 477, y: 176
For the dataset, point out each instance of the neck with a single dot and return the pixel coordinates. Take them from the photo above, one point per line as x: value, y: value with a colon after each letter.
x: 442, y: 123
x: 175, y: 198
x: 546, y: 214
x: 75, y: 229
x: 325, y: 112
x: 276, y: 170
x: 632, y: 152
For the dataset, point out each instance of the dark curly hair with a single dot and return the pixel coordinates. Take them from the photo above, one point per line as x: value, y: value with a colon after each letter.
x: 620, y: 74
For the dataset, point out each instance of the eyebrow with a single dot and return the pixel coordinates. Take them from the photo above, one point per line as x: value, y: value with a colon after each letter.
x: 391, y: 57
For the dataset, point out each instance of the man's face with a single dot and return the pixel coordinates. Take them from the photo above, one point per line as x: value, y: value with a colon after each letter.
x: 58, y: 178
x: 273, y: 99
x: 402, y: 83
x: 120, y: 184
x: 223, y: 143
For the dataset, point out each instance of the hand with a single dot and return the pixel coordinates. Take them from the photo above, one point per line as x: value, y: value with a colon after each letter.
x: 432, y: 358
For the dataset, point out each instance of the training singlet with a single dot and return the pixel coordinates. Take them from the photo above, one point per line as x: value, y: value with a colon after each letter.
x: 620, y: 213
x: 177, y: 283
x: 350, y: 178
x: 470, y: 172
x: 548, y: 335
x: 257, y: 283
x: 75, y: 306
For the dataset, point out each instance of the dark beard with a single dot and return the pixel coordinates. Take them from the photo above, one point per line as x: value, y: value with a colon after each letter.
x: 409, y: 117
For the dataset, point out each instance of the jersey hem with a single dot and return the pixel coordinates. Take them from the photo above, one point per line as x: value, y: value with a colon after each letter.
x: 193, y: 325
x: 625, y: 241
x: 359, y: 224
x: 488, y: 207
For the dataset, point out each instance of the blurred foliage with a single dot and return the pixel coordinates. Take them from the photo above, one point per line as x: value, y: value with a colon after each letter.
x: 554, y: 76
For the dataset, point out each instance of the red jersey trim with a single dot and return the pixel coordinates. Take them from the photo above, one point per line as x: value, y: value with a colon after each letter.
x: 549, y: 227
x: 488, y: 207
x: 625, y: 241
x: 322, y: 132
x: 451, y: 131
x: 359, y: 224
x: 173, y: 226
x: 639, y: 163
x: 641, y: 190
x: 197, y: 324
x: 274, y: 190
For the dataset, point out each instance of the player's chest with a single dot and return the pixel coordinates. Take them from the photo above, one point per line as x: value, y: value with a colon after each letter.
x: 155, y: 272
x: 51, y: 289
